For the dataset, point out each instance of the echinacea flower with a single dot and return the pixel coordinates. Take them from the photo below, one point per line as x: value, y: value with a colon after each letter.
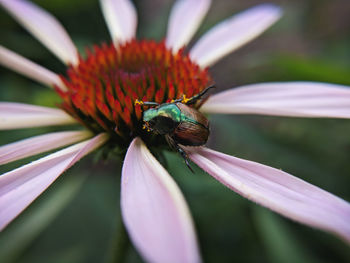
x: 98, y: 92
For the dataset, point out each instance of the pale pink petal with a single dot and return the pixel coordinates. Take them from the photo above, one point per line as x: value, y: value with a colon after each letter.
x: 39, y: 144
x: 184, y: 20
x: 22, y: 186
x: 17, y: 115
x: 277, y: 190
x: 298, y: 99
x: 233, y: 33
x: 154, y: 211
x: 44, y: 27
x: 28, y: 68
x: 121, y: 19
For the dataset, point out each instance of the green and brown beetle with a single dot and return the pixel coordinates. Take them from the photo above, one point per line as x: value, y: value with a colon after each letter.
x: 178, y: 122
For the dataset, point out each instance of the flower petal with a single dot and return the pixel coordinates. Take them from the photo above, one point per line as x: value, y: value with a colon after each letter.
x: 17, y: 115
x: 121, y: 19
x: 39, y: 144
x: 21, y: 186
x: 296, y: 99
x: 44, y: 27
x: 233, y: 33
x: 185, y: 18
x: 277, y: 190
x: 28, y: 68
x: 154, y: 210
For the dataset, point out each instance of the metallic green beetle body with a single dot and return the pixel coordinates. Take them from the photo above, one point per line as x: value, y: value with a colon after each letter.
x: 183, y: 124
x: 178, y: 122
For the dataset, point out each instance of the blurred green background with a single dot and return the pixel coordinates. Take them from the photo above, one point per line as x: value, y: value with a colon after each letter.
x: 77, y: 218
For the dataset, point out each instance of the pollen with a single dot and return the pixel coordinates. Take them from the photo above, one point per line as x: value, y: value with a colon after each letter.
x: 103, y: 88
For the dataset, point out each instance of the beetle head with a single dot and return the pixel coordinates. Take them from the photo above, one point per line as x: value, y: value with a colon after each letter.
x: 148, y: 117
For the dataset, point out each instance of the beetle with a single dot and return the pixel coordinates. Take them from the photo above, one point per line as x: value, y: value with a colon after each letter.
x: 178, y: 122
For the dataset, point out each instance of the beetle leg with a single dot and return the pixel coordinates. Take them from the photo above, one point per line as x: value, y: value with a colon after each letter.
x: 138, y: 102
x: 183, y: 100
x: 150, y: 103
x: 146, y: 103
x: 184, y: 155
x: 198, y: 96
x: 176, y: 147
x: 178, y: 100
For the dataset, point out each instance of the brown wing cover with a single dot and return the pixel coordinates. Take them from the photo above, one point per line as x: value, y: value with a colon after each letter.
x: 188, y: 133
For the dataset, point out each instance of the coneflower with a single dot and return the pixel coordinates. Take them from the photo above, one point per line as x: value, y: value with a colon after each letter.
x: 98, y: 92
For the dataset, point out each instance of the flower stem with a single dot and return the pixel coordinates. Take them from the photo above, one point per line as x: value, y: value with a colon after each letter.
x: 119, y: 245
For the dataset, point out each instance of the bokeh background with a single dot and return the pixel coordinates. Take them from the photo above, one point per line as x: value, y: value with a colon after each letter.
x: 78, y: 218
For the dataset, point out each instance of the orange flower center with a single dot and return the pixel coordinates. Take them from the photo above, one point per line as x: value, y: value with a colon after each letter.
x: 102, y: 88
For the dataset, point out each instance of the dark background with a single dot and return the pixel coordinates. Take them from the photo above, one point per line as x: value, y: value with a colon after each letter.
x: 77, y: 219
